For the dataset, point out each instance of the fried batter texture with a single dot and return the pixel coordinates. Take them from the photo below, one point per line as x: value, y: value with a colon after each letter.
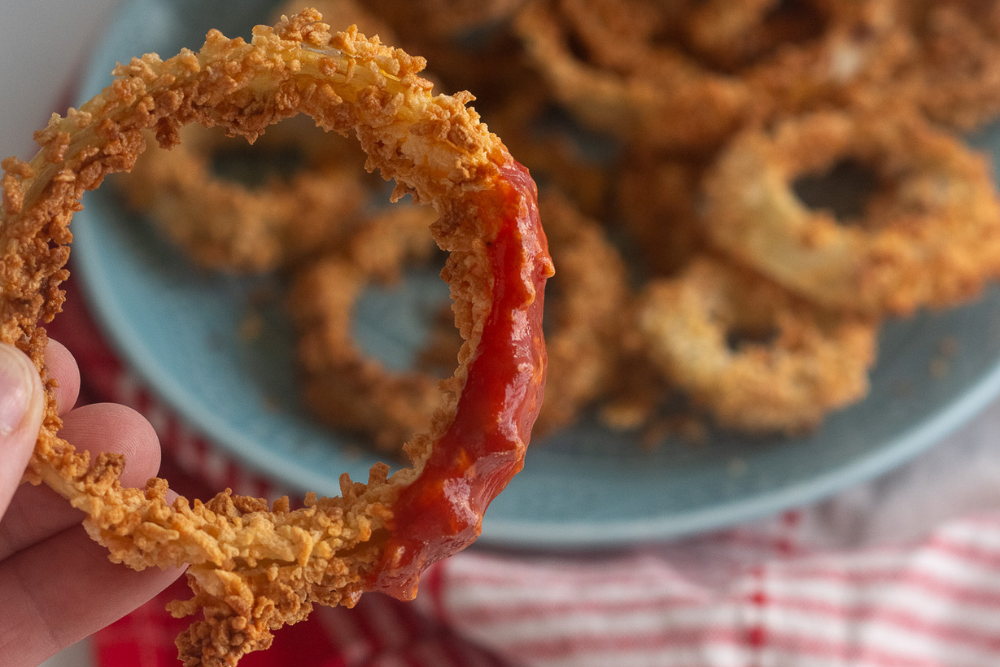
x: 342, y: 386
x: 349, y: 390
x: 224, y: 224
x: 758, y: 358
x: 254, y: 568
x: 930, y: 235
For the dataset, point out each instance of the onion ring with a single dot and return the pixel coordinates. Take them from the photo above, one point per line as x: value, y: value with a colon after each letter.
x: 650, y: 92
x: 251, y: 569
x: 349, y: 390
x: 224, y: 224
x: 816, y: 362
x: 341, y: 386
x: 929, y: 238
x: 955, y: 76
x: 667, y: 101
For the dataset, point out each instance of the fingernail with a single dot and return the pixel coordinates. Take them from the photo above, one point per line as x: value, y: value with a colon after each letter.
x: 15, y: 388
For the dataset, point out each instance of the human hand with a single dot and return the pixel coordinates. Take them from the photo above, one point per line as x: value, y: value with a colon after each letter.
x: 56, y: 585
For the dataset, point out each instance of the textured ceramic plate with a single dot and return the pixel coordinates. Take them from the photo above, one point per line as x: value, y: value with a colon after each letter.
x: 586, y: 487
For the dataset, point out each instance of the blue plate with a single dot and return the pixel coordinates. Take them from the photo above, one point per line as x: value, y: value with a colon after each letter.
x: 585, y: 487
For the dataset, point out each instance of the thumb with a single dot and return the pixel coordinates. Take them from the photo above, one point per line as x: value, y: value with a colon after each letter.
x: 21, y: 408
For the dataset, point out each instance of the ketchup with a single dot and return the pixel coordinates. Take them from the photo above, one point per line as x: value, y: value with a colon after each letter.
x: 441, y: 512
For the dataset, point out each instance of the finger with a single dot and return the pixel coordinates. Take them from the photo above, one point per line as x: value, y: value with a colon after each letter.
x: 65, y: 371
x: 64, y: 589
x: 21, y: 405
x: 112, y: 427
x: 36, y: 513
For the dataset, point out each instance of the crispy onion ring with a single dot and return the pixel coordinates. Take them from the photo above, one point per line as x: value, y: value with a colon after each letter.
x: 731, y: 33
x: 650, y: 92
x: 815, y: 360
x: 955, y: 75
x: 253, y: 569
x: 930, y: 235
x: 349, y: 390
x: 225, y: 224
x: 666, y: 102
x: 341, y: 385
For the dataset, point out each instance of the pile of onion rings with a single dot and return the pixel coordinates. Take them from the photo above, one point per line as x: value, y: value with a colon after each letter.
x: 664, y: 132
x: 669, y: 140
x: 254, y: 568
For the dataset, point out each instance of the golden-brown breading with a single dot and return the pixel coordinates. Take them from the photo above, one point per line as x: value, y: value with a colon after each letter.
x: 224, y: 224
x: 342, y: 386
x: 929, y: 236
x: 753, y: 355
x: 253, y: 569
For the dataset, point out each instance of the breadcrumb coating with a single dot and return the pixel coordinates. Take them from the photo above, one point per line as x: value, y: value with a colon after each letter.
x: 341, y: 385
x: 254, y: 568
x: 755, y: 356
x: 224, y: 224
x: 930, y: 236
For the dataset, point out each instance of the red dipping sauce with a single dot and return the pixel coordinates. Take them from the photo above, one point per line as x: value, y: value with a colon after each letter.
x: 441, y: 512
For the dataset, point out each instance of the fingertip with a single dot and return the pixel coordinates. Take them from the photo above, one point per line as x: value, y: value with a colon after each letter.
x: 110, y: 427
x: 62, y: 368
x: 21, y: 408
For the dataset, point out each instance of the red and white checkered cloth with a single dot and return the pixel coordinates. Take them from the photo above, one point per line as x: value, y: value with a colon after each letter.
x: 901, y: 572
